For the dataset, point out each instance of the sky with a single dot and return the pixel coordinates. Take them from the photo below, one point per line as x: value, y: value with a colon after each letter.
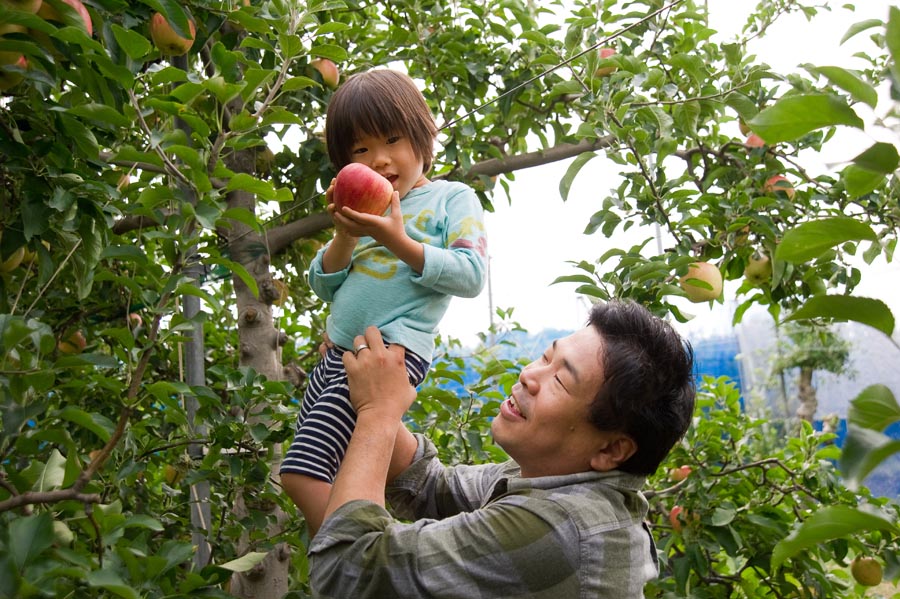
x: 532, y: 241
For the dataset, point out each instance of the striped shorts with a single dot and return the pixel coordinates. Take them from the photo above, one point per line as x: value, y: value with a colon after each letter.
x: 327, y: 417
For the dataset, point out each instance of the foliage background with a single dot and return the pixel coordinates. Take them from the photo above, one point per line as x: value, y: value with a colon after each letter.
x: 140, y: 184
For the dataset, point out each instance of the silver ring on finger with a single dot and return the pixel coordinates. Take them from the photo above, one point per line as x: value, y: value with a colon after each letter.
x: 359, y: 348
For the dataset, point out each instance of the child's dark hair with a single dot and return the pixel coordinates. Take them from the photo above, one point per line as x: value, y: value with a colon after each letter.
x: 380, y: 102
x: 648, y: 382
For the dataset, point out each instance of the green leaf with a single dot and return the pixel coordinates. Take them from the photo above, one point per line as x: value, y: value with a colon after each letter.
x: 332, y: 51
x: 832, y: 522
x: 860, y: 27
x: 245, y: 182
x: 223, y: 91
x: 811, y: 240
x: 53, y: 473
x: 29, y: 537
x: 880, y: 157
x: 101, y: 114
x: 864, y: 449
x: 875, y: 408
x: 111, y: 582
x: 793, y: 117
x: 892, y: 39
x: 843, y: 308
x: 97, y: 424
x: 849, y: 82
x: 565, y: 184
x: 244, y: 563
x: 134, y: 44
x: 860, y: 181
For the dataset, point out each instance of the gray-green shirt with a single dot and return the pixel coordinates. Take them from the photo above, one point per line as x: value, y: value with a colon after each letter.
x: 485, y: 532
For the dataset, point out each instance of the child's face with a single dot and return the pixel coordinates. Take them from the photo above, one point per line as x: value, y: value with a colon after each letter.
x: 393, y: 158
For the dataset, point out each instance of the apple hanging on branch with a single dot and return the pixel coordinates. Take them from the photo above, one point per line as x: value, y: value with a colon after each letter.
x: 48, y: 12
x: 779, y: 183
x: 166, y: 40
x: 328, y: 70
x: 866, y: 571
x: 759, y: 269
x: 360, y: 188
x: 703, y: 282
x: 605, y: 71
x: 30, y: 6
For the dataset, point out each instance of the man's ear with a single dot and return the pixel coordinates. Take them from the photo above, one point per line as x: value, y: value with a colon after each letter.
x: 615, y: 449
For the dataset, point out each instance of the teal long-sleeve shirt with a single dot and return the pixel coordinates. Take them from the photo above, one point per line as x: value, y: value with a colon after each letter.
x: 379, y: 289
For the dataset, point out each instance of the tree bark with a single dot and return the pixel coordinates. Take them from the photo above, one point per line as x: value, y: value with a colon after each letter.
x: 259, y: 347
x: 807, y: 393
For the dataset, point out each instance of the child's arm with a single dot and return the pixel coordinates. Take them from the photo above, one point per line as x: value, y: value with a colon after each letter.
x: 339, y: 252
x: 387, y: 230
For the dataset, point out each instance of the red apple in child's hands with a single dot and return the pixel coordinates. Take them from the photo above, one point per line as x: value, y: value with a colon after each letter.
x: 360, y: 188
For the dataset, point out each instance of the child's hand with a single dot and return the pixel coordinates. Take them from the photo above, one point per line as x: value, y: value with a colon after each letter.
x: 384, y: 229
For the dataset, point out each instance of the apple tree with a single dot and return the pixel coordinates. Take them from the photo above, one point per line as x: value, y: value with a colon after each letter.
x: 162, y: 168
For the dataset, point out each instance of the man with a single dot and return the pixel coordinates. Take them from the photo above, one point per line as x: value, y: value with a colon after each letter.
x: 584, y: 426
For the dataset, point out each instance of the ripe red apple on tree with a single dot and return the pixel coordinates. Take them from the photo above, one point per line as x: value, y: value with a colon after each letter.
x: 50, y: 13
x: 31, y: 6
x: 328, y: 70
x: 779, y: 183
x: 605, y: 71
x: 360, y: 188
x: 754, y: 141
x: 166, y: 40
x: 703, y: 282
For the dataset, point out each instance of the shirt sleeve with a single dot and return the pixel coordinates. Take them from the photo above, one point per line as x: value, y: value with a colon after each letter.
x: 460, y: 267
x: 428, y: 489
x: 323, y: 284
x: 362, y: 552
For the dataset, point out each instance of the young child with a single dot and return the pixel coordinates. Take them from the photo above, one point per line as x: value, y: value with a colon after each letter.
x: 397, y: 271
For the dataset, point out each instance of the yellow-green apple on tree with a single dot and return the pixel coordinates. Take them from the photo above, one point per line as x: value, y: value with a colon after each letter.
x: 608, y: 70
x: 328, y: 70
x: 703, y: 282
x: 9, y: 56
x: 867, y: 571
x: 13, y: 260
x: 680, y: 473
x: 10, y: 79
x: 166, y: 40
x: 31, y: 6
x: 779, y: 183
x: 360, y: 188
x: 758, y: 269
x: 49, y: 13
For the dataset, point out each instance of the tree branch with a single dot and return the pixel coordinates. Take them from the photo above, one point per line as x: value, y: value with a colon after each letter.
x: 496, y: 166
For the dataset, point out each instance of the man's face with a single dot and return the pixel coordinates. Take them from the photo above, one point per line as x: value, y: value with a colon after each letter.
x: 544, y: 424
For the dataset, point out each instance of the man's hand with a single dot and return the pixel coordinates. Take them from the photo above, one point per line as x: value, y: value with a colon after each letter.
x: 379, y: 383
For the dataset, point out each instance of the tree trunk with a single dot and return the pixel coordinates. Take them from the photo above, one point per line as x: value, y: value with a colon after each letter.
x: 259, y: 347
x: 807, y: 393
